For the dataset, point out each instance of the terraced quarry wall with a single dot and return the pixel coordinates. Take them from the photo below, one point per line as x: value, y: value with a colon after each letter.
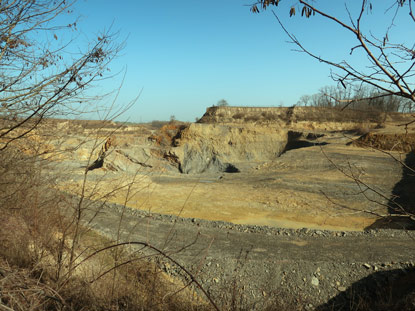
x: 287, y: 115
x: 220, y: 147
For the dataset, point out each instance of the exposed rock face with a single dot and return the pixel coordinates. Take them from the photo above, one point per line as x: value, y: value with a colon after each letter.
x: 286, y: 115
x: 219, y: 148
x: 201, y: 160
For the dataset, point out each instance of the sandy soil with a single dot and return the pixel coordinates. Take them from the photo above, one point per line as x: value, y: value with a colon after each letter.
x: 302, y: 188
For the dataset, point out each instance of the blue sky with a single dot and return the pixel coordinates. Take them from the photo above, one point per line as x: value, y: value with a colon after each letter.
x: 187, y: 55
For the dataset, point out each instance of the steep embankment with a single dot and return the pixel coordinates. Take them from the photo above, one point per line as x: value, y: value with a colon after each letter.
x: 287, y: 115
x: 214, y: 147
x: 304, y: 118
x: 402, y: 142
x: 228, y: 136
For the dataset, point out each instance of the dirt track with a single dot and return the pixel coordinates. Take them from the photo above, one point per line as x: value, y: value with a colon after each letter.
x: 316, y: 265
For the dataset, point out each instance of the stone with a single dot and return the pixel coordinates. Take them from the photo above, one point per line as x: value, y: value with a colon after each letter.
x: 315, y: 281
x: 204, y: 148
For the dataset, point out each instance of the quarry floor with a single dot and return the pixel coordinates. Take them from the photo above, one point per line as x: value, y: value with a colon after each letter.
x: 310, y: 185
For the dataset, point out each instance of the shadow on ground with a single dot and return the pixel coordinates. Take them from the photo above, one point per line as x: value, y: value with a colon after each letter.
x: 297, y: 144
x: 295, y: 141
x: 387, y: 290
x: 402, y: 201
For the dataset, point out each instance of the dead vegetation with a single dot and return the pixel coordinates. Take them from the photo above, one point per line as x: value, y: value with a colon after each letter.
x: 49, y: 261
x: 168, y: 133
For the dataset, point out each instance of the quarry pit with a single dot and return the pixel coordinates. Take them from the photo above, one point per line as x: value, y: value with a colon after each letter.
x: 298, y: 200
x: 283, y: 167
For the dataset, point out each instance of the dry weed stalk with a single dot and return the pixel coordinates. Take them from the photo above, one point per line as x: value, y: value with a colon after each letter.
x: 53, y: 243
x: 19, y: 291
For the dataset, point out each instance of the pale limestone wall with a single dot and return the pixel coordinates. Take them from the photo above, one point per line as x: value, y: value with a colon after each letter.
x: 210, y: 147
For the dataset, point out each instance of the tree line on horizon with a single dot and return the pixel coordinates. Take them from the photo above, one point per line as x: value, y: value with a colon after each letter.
x: 359, y: 98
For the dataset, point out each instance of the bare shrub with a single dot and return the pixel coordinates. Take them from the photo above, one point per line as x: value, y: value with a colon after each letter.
x: 42, y: 228
x: 362, y: 129
x: 158, y: 124
x: 380, y: 125
x: 252, y: 118
x: 239, y: 115
x: 269, y: 116
x: 169, y: 134
x: 15, y: 245
x: 20, y: 291
x: 135, y: 286
x: 37, y: 235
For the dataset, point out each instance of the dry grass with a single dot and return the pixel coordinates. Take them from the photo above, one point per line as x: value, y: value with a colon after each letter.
x: 37, y: 269
x: 362, y: 129
x: 29, y: 278
x: 239, y: 115
x: 20, y: 290
x: 252, y: 118
x: 168, y: 134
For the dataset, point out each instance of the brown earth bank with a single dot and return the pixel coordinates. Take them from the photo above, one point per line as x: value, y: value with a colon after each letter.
x: 403, y: 142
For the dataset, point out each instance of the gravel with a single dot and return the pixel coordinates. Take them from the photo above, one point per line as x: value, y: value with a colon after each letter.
x: 260, y: 265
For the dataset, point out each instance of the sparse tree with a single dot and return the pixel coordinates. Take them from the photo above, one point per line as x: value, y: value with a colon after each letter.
x: 41, y: 74
x: 388, y: 65
x: 222, y: 103
x: 304, y: 100
x: 44, y: 72
x: 362, y: 98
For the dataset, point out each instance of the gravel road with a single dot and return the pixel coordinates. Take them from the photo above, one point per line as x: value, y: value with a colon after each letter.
x: 259, y: 264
